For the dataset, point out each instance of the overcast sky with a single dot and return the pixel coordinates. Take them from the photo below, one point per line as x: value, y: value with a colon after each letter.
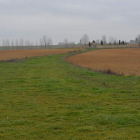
x: 71, y: 19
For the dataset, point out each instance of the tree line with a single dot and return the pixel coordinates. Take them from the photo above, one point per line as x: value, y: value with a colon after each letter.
x: 43, y: 43
x: 112, y: 41
x: 66, y: 43
x: 46, y: 42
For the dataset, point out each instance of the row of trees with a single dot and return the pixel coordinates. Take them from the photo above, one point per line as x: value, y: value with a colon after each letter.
x: 112, y: 41
x: 66, y: 43
x: 45, y: 42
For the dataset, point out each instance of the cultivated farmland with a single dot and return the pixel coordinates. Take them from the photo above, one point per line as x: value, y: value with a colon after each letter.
x: 19, y: 54
x: 120, y: 61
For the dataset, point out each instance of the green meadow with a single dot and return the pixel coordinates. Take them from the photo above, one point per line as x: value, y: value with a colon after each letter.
x: 46, y: 98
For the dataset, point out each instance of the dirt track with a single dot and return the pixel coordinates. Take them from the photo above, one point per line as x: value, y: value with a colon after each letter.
x: 120, y: 61
x: 19, y: 54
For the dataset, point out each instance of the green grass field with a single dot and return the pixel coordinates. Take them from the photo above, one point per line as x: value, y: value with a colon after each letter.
x: 46, y: 98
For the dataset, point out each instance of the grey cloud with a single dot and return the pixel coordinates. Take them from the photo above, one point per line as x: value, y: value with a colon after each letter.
x: 60, y: 18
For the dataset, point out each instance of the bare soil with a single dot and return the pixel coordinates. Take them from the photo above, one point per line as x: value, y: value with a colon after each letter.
x: 119, y: 61
x: 19, y: 54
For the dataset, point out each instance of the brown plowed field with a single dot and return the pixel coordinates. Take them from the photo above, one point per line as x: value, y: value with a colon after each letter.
x: 120, y: 61
x: 19, y: 54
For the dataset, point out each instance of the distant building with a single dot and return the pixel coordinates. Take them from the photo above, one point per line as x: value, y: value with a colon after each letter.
x: 132, y: 42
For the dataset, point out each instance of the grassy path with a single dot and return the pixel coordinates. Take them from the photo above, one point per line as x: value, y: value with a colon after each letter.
x: 48, y: 98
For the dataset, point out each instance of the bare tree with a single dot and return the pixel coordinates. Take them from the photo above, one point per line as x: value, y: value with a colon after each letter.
x: 111, y: 40
x: 21, y: 42
x: 41, y: 43
x: 12, y: 42
x: 138, y: 39
x: 65, y: 42
x: 98, y: 41
x: 17, y: 44
x: 7, y: 43
x: 115, y: 41
x: 45, y: 41
x: 49, y: 42
x: 28, y: 44
x: 85, y: 39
